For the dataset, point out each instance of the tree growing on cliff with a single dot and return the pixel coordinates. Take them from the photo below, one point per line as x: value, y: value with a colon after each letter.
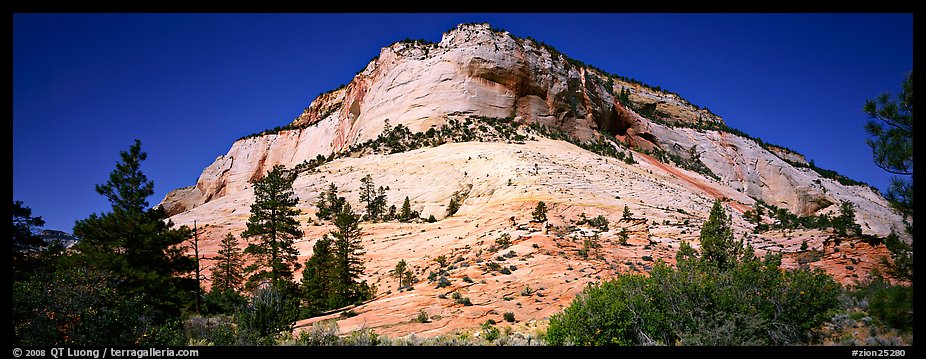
x: 540, y: 212
x: 374, y: 201
x: 274, y: 226
x: 329, y: 202
x: 406, y: 214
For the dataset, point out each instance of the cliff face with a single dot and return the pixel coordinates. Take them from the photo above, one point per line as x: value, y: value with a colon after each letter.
x: 475, y: 70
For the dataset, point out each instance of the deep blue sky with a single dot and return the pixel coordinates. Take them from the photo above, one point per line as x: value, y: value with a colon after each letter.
x: 188, y: 85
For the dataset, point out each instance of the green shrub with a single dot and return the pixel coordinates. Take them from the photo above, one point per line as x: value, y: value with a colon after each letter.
x: 422, y: 317
x: 509, y: 317
x: 268, y: 314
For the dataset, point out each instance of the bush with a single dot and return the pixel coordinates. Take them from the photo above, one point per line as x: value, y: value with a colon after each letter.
x: 467, y: 279
x: 890, y: 305
x: 324, y: 333
x: 509, y: 317
x: 218, y: 330
x: 268, y: 314
x: 443, y: 282
x: 504, y: 240
x: 747, y: 301
x: 422, y: 317
x: 431, y: 219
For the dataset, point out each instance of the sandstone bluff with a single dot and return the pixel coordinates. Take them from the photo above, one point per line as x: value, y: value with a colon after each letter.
x: 476, y: 73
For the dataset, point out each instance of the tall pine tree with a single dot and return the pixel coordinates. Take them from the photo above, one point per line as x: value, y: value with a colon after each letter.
x: 228, y: 274
x: 717, y: 244
x: 318, y: 277
x: 348, y: 265
x: 135, y: 243
x: 274, y: 226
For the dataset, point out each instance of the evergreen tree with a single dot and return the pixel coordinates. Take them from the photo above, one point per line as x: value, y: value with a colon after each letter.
x: 891, y: 128
x: 845, y: 224
x: 273, y: 224
x: 348, y: 265
x: 135, y: 243
x: 368, y: 196
x: 540, y: 212
x: 717, y: 244
x: 318, y: 277
x: 329, y: 202
x: 456, y: 200
x: 379, y: 203
x: 406, y: 214
x: 25, y: 241
x: 401, y: 273
x: 229, y: 262
x: 626, y: 215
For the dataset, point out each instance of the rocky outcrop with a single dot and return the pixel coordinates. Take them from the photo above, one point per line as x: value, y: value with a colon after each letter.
x: 476, y: 70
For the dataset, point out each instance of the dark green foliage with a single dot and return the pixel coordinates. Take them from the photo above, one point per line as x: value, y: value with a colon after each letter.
x: 403, y: 274
x: 456, y: 200
x: 717, y: 244
x: 891, y: 305
x: 503, y: 241
x: 271, y: 312
x: 692, y: 162
x: 751, y: 302
x: 431, y: 219
x: 329, y: 202
x: 901, y: 265
x: 135, y: 244
x: 374, y: 200
x: 722, y: 296
x: 217, y: 330
x: 348, y: 265
x: 891, y: 142
x: 224, y: 301
x: 318, y: 278
x: 78, y: 306
x: 540, y: 212
x: 804, y: 245
x: 509, y: 317
x: 489, y: 331
x: 227, y: 273
x: 406, y: 214
x: 273, y: 224
x: 443, y: 282
x: 422, y: 317
x: 599, y: 222
x: 845, y: 224
x: 626, y: 215
x: 26, y: 243
x: 623, y: 236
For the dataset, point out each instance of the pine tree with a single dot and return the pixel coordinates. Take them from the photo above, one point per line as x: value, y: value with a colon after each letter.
x: 626, y: 215
x: 135, y: 243
x: 540, y: 212
x: 368, y: 196
x: 400, y: 272
x: 845, y: 224
x: 717, y: 244
x: 379, y: 203
x: 318, y: 277
x: 229, y: 262
x: 273, y: 224
x: 25, y: 241
x: 329, y: 202
x: 406, y: 214
x: 348, y: 265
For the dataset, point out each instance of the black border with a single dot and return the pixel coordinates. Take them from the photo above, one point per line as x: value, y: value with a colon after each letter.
x: 635, y: 6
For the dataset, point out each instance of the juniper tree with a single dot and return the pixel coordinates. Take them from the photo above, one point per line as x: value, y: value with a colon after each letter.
x: 540, y: 212
x: 626, y: 215
x: 274, y: 227
x: 228, y: 274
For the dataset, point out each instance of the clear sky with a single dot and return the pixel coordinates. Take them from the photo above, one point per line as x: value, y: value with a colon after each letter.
x: 189, y: 85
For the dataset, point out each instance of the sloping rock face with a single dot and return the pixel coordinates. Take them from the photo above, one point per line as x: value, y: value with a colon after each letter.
x: 477, y: 71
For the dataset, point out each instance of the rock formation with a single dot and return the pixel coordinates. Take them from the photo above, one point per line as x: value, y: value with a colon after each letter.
x: 479, y: 71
